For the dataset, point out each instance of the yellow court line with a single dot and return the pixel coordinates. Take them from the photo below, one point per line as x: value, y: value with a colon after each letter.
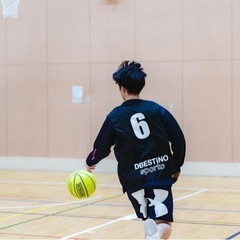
x: 21, y: 214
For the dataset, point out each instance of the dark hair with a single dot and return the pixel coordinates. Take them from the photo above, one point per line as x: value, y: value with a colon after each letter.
x: 130, y: 75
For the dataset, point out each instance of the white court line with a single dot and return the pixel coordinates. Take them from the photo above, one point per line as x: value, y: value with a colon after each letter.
x: 128, y: 217
x: 209, y: 189
x: 53, y: 183
x: 32, y: 182
x: 190, y: 195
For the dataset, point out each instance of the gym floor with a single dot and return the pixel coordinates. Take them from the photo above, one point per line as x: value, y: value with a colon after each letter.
x: 37, y: 205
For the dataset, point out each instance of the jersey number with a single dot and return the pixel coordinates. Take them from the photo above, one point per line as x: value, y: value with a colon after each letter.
x: 140, y: 126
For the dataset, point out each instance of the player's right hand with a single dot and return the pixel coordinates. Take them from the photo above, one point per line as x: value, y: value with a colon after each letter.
x: 90, y: 168
x: 176, y: 175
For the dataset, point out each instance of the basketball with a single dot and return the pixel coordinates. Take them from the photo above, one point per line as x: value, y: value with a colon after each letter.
x: 81, y: 184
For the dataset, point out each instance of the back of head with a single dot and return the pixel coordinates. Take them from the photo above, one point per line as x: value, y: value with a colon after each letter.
x: 130, y: 75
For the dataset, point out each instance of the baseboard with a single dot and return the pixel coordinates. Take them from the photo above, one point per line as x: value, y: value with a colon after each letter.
x: 110, y: 166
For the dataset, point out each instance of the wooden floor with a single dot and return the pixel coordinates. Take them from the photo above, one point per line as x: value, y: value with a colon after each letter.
x: 37, y: 205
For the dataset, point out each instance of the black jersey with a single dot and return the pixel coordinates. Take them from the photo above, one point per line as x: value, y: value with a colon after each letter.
x: 148, y: 143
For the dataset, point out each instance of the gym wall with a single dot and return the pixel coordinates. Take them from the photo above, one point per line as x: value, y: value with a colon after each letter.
x: 189, y: 49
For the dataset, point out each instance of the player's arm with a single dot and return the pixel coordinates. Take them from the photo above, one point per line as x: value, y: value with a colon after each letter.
x: 177, y: 140
x: 102, y: 145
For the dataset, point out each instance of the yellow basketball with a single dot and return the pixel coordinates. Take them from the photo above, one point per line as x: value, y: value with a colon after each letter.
x: 81, y: 184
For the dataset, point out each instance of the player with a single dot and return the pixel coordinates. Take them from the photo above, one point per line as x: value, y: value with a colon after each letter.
x: 149, y: 147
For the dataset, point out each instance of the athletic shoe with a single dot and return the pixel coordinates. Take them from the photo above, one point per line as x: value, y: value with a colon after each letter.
x: 152, y: 231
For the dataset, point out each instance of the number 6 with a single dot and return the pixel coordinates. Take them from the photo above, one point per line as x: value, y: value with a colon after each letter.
x: 140, y: 127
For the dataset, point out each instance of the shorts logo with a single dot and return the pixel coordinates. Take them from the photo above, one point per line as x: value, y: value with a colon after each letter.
x: 139, y: 196
x: 160, y: 196
x: 157, y: 202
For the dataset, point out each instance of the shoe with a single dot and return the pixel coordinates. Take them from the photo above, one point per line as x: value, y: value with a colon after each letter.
x: 152, y: 231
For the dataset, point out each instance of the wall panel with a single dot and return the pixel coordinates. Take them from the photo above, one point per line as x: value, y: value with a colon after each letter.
x: 68, y: 122
x: 158, y: 30
x: 164, y: 85
x: 68, y: 31
x: 236, y: 29
x: 207, y: 110
x: 3, y: 112
x: 112, y: 30
x: 3, y: 42
x: 26, y: 35
x: 207, y: 29
x: 27, y: 111
x: 236, y: 111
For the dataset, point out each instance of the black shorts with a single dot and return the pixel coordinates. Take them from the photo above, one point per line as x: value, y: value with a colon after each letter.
x: 152, y: 203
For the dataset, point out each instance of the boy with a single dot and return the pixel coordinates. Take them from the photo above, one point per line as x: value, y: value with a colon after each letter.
x: 149, y: 147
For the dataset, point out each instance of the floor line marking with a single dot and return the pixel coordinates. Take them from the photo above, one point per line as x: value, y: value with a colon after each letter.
x: 53, y: 204
x: 233, y: 236
x: 32, y: 182
x: 128, y: 217
x: 35, y: 210
x: 190, y: 195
